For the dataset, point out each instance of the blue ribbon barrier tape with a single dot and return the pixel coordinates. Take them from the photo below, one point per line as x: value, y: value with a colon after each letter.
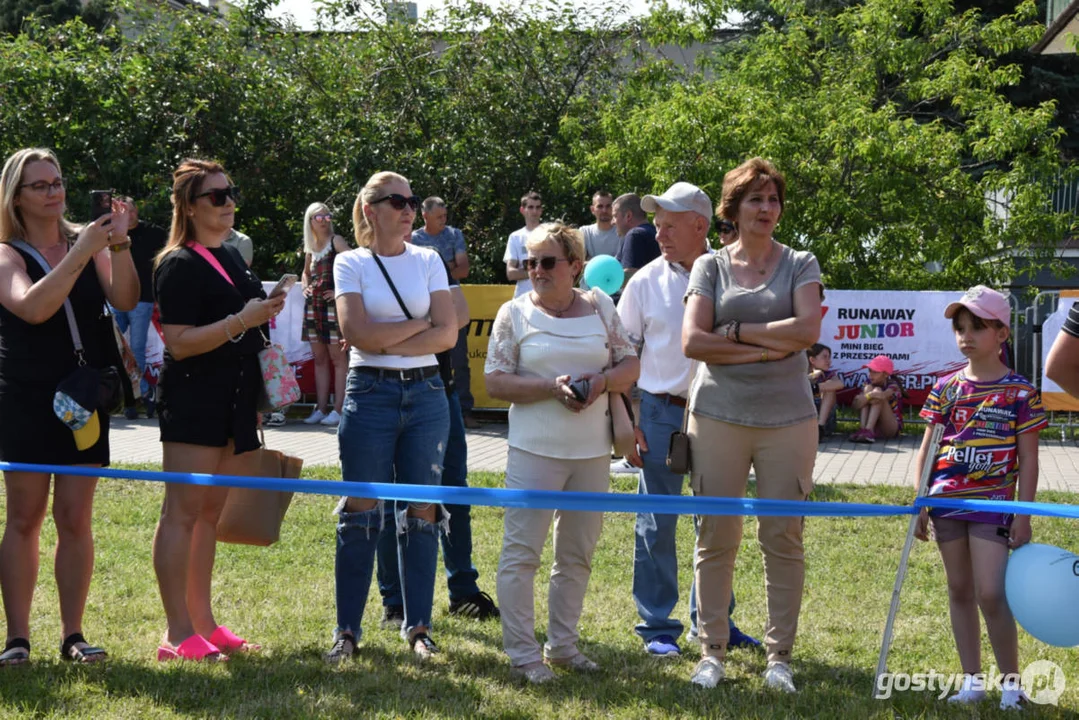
x: 556, y: 500
x: 1000, y: 506
x: 497, y: 497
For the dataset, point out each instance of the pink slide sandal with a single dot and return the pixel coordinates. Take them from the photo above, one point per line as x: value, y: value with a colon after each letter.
x: 194, y: 648
x: 230, y: 642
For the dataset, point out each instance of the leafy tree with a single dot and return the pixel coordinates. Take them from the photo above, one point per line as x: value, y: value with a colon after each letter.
x: 891, y: 121
x: 51, y: 12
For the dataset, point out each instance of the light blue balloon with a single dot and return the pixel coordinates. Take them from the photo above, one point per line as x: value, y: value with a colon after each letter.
x: 604, y: 272
x: 1042, y: 587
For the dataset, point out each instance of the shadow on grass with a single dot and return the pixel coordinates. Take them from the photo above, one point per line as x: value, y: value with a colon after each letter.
x: 465, y: 685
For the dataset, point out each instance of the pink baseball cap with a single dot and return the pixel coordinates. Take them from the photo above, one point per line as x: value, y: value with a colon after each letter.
x: 983, y: 302
x: 882, y: 363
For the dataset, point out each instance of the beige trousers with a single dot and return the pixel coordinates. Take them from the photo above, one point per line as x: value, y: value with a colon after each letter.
x: 782, y: 459
x: 575, y: 538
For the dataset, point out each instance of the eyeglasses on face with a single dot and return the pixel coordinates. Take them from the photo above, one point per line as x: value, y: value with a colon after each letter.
x: 398, y: 201
x: 44, y: 186
x: 323, y: 217
x: 219, y: 196
x: 724, y: 227
x: 547, y: 263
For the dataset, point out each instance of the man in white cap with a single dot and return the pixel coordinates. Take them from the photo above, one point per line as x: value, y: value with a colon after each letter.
x: 651, y: 310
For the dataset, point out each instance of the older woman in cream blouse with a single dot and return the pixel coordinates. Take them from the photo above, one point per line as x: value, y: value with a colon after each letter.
x: 541, y: 342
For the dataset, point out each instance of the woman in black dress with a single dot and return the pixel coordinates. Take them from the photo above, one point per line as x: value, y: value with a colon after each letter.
x: 213, y: 313
x: 36, y: 354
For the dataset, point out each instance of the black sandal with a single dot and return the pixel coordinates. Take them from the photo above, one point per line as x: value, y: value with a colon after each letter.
x: 88, y: 654
x: 16, y: 652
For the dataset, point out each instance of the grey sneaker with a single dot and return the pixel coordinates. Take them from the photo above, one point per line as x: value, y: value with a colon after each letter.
x: 708, y: 673
x: 534, y: 673
x: 778, y: 676
x: 580, y: 661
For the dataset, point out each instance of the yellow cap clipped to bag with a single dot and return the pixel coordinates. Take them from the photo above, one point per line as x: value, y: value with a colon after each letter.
x: 75, y: 404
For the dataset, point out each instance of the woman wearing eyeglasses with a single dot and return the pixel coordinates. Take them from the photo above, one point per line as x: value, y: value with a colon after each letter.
x: 37, y: 353
x: 321, y: 246
x: 213, y: 316
x: 395, y: 311
x: 559, y: 439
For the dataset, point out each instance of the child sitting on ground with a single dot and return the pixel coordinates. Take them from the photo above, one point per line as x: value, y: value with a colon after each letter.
x: 825, y: 383
x: 880, y: 404
x: 991, y: 419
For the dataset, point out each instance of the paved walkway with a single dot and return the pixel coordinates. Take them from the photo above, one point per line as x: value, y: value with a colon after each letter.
x: 838, y: 461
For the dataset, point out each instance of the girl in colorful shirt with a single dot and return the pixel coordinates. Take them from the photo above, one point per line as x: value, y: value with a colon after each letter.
x: 825, y: 383
x: 991, y: 419
x: 880, y: 404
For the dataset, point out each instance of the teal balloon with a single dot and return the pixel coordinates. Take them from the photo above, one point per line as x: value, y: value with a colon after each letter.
x: 604, y: 272
x: 1042, y: 587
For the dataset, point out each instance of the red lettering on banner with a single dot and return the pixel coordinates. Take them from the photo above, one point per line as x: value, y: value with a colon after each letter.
x: 906, y: 329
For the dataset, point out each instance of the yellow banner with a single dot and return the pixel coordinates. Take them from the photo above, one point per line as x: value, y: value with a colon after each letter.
x: 1060, y: 402
x: 483, y: 304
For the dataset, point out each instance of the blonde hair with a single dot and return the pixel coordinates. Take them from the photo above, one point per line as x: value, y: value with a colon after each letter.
x: 308, y: 234
x: 186, y: 184
x: 567, y: 237
x: 745, y: 177
x: 370, y: 192
x: 11, y: 222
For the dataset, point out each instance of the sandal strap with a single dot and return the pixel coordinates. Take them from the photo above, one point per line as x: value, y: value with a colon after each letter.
x: 18, y: 642
x: 70, y: 641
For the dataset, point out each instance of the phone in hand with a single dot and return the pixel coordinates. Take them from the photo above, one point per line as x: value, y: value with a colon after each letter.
x: 100, y: 203
x: 580, y: 389
x: 283, y: 285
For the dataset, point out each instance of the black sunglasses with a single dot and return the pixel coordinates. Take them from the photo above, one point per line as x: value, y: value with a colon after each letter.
x: 724, y: 227
x: 398, y: 202
x: 547, y: 263
x: 220, y: 196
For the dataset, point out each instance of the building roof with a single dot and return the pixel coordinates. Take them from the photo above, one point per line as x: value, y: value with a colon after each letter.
x: 1056, y: 28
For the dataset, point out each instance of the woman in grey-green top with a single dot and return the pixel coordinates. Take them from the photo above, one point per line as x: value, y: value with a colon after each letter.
x: 752, y: 308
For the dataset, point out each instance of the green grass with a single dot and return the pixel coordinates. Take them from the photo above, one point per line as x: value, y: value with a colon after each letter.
x: 282, y: 596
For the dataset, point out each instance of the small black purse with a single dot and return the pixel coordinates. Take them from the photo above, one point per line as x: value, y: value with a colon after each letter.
x: 678, y: 454
x: 110, y: 391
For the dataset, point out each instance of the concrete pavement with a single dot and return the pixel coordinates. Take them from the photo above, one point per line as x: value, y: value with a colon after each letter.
x: 838, y: 461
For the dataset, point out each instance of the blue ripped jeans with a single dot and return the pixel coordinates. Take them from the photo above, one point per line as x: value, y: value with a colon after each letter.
x: 391, y: 431
x: 461, y: 575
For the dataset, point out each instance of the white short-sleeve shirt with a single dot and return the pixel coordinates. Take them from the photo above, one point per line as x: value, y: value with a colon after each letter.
x: 515, y: 250
x: 651, y: 310
x: 416, y: 273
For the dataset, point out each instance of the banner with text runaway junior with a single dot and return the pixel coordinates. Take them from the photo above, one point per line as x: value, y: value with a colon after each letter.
x: 907, y: 326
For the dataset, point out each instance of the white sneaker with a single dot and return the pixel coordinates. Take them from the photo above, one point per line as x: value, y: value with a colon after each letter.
x: 332, y: 419
x: 708, y: 673
x: 971, y: 691
x: 1013, y: 700
x: 622, y: 467
x: 778, y: 676
x: 274, y: 419
x: 315, y: 417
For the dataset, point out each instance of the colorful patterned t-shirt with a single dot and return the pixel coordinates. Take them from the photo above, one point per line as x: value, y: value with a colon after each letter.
x: 979, y: 455
x: 828, y: 375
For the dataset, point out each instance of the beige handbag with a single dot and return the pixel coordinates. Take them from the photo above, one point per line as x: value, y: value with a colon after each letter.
x: 254, y: 517
x: 620, y: 408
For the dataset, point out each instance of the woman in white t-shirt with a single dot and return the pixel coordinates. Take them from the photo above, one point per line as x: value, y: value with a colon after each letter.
x: 394, y: 309
x: 541, y: 342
